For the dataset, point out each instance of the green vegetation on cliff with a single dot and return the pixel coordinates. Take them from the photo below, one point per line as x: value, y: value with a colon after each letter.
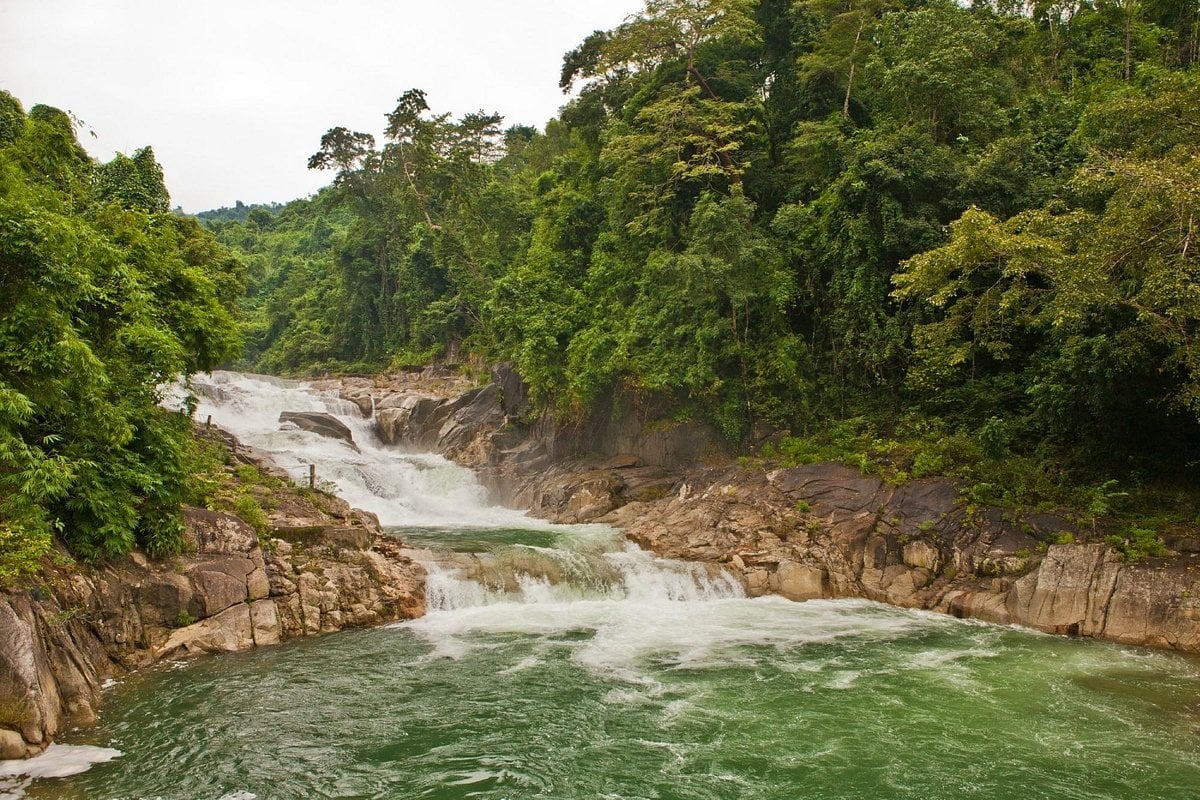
x: 938, y: 220
x: 105, y: 295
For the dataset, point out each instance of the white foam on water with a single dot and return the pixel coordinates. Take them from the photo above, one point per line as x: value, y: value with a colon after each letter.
x: 56, y: 761
x: 634, y: 636
x: 13, y: 787
x: 59, y: 761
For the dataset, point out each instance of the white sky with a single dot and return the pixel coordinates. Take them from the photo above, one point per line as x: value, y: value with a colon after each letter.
x: 234, y: 95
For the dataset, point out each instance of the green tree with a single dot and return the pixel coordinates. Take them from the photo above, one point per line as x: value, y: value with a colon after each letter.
x: 104, y: 302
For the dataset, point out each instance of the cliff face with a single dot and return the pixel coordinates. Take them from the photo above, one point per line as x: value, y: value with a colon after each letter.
x: 822, y: 530
x: 324, y: 567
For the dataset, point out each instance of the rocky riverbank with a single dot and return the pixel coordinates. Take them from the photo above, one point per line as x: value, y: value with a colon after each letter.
x: 820, y: 530
x: 320, y: 566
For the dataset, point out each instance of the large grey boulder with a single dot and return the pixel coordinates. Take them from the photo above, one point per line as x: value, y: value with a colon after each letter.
x: 319, y: 423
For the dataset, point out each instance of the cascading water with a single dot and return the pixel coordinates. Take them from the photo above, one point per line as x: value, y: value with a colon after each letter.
x: 411, y: 489
x: 560, y: 662
x: 438, y: 504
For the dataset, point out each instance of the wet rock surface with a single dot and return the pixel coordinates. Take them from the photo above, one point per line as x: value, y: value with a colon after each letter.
x: 319, y: 423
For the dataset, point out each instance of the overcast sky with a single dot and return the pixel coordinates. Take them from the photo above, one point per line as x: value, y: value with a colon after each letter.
x: 234, y: 95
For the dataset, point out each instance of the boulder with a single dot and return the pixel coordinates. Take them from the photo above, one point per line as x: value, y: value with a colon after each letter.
x: 12, y: 745
x: 227, y: 632
x: 1068, y: 593
x: 411, y: 420
x: 264, y: 621
x: 214, y: 532
x: 22, y: 677
x: 165, y: 597
x: 482, y: 407
x: 258, y: 585
x: 799, y: 581
x: 319, y: 423
x: 218, y: 590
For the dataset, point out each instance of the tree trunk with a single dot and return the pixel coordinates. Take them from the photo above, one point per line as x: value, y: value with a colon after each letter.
x: 850, y: 80
x: 727, y: 162
x: 1129, y: 6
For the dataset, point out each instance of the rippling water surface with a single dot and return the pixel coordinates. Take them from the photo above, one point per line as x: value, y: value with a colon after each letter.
x: 585, y: 668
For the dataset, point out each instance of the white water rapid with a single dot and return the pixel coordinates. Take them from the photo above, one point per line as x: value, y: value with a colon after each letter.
x: 424, y: 495
x: 402, y: 489
x: 529, y: 577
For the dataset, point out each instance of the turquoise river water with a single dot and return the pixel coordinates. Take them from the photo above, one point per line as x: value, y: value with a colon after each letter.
x: 626, y: 677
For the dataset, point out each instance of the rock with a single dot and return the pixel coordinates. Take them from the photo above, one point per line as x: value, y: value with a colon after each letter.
x: 923, y: 504
x: 758, y: 582
x: 1065, y: 594
x: 411, y: 420
x: 591, y: 499
x: 227, y: 632
x: 264, y: 621
x: 808, y: 531
x: 1182, y: 544
x: 218, y: 590
x: 28, y: 696
x: 236, y: 567
x: 214, y: 532
x: 922, y: 554
x: 165, y: 597
x: 83, y: 624
x: 799, y: 581
x: 336, y: 536
x: 479, y: 409
x: 319, y: 423
x: 308, y: 590
x: 621, y: 461
x: 258, y: 585
x: 514, y: 393
x: 12, y: 745
x: 364, y: 401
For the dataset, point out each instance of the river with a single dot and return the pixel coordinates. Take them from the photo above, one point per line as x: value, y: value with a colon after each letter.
x: 582, y: 667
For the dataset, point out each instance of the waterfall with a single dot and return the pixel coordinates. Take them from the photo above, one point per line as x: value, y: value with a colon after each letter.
x: 402, y: 489
x: 561, y: 661
x: 437, y: 504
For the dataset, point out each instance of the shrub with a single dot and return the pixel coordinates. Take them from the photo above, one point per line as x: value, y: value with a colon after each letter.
x: 1137, y: 543
x: 21, y: 551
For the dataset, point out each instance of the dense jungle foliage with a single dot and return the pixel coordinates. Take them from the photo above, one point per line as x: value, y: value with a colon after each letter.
x: 105, y: 295
x: 910, y: 217
x: 893, y: 217
x: 939, y: 238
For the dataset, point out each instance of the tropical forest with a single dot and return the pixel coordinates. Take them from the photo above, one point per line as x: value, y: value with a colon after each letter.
x: 965, y: 228
x: 656, y: 433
